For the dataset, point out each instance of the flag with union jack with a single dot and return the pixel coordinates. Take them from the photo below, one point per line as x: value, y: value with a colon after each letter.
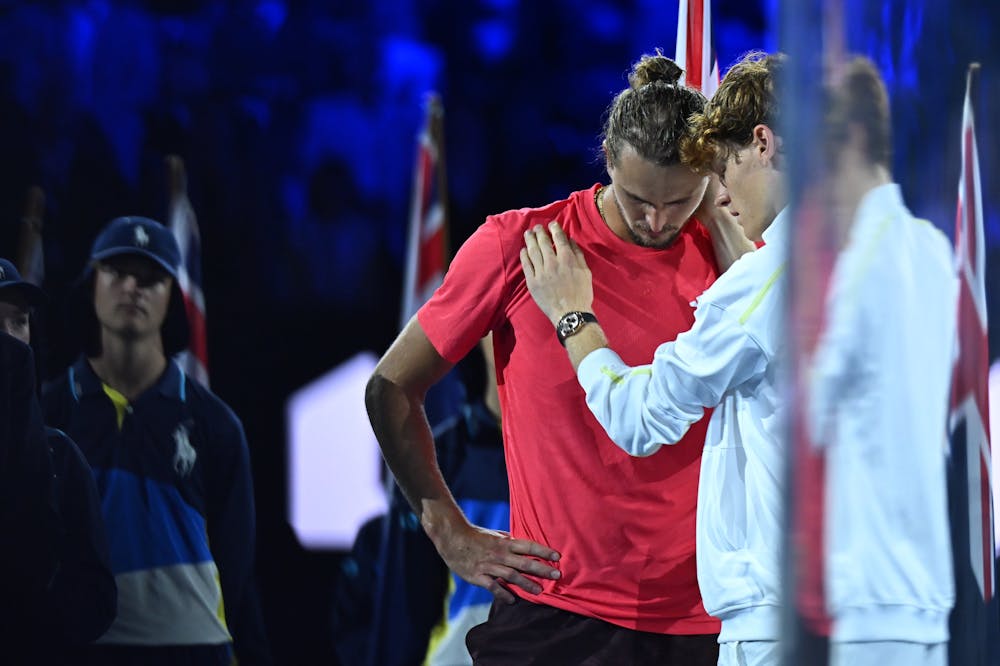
x: 975, y: 621
x: 184, y: 225
x: 695, y: 51
x: 427, y: 242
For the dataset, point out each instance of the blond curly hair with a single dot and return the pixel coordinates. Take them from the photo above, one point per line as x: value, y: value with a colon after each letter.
x: 745, y: 98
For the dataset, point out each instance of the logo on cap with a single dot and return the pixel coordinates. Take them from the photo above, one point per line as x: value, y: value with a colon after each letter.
x: 3, y: 273
x: 141, y: 237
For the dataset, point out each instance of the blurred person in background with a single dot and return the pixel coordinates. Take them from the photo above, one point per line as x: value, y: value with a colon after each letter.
x: 170, y: 459
x: 879, y: 389
x: 599, y: 563
x: 55, y: 500
x: 731, y: 360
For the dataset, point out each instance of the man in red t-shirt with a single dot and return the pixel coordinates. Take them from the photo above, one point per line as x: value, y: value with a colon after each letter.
x: 599, y: 564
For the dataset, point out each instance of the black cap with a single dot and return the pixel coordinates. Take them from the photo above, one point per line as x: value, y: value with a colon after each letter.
x: 11, y: 281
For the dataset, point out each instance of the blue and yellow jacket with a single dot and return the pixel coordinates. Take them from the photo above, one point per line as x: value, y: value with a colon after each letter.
x: 173, y: 474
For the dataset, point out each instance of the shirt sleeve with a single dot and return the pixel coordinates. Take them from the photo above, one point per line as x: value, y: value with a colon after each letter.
x: 644, y: 407
x: 82, y: 600
x: 469, y: 303
x: 231, y: 532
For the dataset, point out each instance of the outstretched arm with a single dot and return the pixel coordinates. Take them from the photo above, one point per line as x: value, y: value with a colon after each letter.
x: 395, y: 402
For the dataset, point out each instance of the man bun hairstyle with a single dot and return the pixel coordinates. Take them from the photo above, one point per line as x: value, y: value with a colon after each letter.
x: 651, y: 115
x: 652, y: 68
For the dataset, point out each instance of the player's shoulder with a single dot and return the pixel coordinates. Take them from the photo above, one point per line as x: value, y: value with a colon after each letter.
x: 513, y: 223
x: 938, y: 244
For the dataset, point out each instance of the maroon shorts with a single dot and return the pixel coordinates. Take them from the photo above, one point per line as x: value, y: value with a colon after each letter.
x: 525, y: 633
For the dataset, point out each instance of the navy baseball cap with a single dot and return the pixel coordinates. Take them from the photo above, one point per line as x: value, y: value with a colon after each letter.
x: 11, y: 281
x: 139, y: 236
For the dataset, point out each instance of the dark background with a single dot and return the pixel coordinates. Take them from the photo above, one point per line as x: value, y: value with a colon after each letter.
x: 297, y: 123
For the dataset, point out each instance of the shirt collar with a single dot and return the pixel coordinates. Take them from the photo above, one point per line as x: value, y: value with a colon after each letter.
x: 879, y: 201
x: 86, y: 382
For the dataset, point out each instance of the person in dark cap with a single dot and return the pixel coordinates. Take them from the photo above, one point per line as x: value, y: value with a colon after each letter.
x: 170, y: 459
x: 53, y: 515
x: 17, y: 298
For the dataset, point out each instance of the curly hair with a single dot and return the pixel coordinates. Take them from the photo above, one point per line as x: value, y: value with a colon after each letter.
x: 651, y: 115
x: 746, y: 97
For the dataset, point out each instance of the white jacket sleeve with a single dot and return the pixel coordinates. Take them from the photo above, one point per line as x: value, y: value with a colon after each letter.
x: 644, y: 407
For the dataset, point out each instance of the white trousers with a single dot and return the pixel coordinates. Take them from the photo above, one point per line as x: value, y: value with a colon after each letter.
x: 888, y: 653
x: 749, y: 653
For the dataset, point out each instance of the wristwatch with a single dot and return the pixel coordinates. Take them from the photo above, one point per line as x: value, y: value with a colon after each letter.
x: 571, y: 323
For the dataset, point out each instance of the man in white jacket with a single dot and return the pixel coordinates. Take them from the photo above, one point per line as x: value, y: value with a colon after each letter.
x: 730, y: 360
x: 879, y: 399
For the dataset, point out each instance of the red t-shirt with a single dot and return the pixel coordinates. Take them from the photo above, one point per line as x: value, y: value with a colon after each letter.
x: 625, y: 526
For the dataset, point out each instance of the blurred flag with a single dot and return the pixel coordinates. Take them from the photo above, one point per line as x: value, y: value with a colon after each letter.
x: 975, y: 621
x: 427, y: 241
x: 695, y: 53
x: 812, y: 251
x: 30, y: 257
x: 184, y: 225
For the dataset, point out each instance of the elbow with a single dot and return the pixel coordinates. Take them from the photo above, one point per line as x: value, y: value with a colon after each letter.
x: 636, y: 444
x: 643, y: 449
x: 86, y: 607
x: 644, y: 444
x: 385, y: 402
x: 103, y: 616
x: 375, y: 394
x: 381, y: 393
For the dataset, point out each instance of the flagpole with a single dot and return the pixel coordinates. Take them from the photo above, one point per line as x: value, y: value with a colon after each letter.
x: 426, y: 251
x: 412, y: 266
x: 30, y: 257
x: 437, y: 134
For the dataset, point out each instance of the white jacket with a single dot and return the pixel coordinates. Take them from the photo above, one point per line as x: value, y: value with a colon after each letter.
x: 730, y: 360
x: 879, y: 403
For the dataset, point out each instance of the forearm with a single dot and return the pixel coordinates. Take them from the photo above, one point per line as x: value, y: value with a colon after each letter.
x: 404, y: 435
x: 579, y: 346
x: 622, y: 398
